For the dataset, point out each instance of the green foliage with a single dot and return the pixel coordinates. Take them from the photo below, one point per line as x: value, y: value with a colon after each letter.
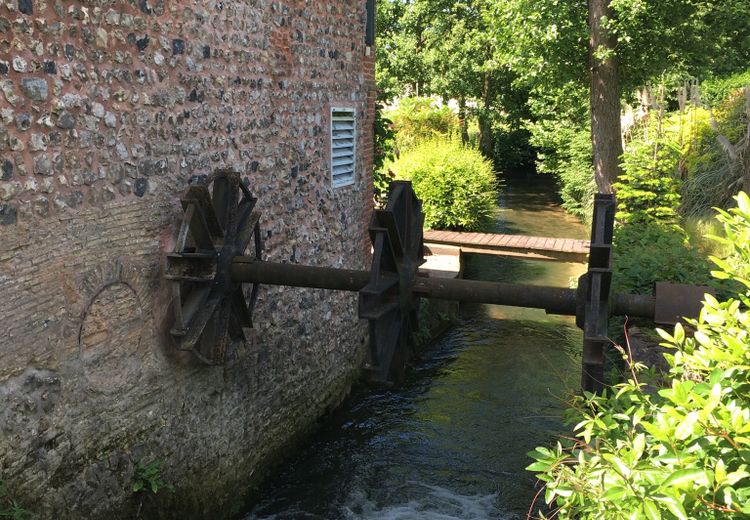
x: 736, y: 237
x: 715, y: 91
x: 384, y: 152
x: 565, y: 152
x: 418, y: 119
x: 702, y: 232
x: 456, y: 185
x: 648, y: 189
x: 683, y: 451
x: 691, y: 130
x: 546, y: 40
x: 732, y: 117
x: 385, y: 139
x: 647, y: 252
x: 9, y: 508
x: 512, y: 149
x: 148, y: 478
x: 523, y: 65
x: 452, y: 49
x: 545, y: 43
x: 717, y: 163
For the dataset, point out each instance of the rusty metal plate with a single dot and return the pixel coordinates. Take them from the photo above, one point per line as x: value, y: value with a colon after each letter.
x: 676, y: 301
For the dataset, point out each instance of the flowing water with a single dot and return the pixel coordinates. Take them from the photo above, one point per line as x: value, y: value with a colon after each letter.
x: 451, y: 442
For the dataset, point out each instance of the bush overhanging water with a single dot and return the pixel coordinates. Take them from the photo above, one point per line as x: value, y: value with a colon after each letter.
x: 682, y: 451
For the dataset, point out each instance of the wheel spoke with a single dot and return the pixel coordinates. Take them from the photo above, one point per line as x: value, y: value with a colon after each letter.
x: 225, y: 195
x: 384, y: 341
x: 215, y: 339
x: 201, y: 197
x: 247, y: 226
x: 240, y: 309
x: 196, y: 323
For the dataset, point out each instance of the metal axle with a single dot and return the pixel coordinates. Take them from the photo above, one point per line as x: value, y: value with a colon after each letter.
x: 553, y: 300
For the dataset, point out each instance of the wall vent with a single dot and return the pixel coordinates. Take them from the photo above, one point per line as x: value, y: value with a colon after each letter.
x: 343, y: 146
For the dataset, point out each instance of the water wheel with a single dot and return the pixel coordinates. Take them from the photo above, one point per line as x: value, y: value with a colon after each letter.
x: 210, y: 309
x: 388, y: 301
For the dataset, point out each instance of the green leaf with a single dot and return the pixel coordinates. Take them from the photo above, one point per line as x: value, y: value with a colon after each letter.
x: 686, y: 426
x: 702, y: 338
x: 720, y: 472
x: 673, y: 505
x: 541, y: 453
x: 538, y: 466
x: 735, y: 476
x: 743, y: 202
x: 711, y: 300
x: 614, y: 494
x: 679, y: 333
x: 650, y: 510
x: 639, y: 444
x: 656, y: 431
x: 685, y: 476
x: 665, y: 335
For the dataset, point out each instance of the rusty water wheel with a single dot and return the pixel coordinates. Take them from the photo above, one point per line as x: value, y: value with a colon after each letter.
x: 388, y: 301
x: 210, y: 310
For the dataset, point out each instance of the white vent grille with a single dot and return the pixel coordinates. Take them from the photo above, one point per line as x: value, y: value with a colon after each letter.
x: 343, y: 146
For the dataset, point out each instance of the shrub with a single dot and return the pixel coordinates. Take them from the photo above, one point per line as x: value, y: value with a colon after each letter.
x: 732, y: 117
x: 564, y: 150
x: 648, y: 189
x: 456, y: 185
x: 418, y: 119
x: 714, y: 91
x: 714, y: 174
x: 512, y: 152
x: 703, y: 233
x: 384, y: 138
x: 648, y: 252
x: 681, y: 452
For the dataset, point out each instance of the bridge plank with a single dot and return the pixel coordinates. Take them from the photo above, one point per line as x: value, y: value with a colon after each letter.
x: 486, y: 238
x: 515, y: 241
x: 523, y: 246
x: 526, y: 242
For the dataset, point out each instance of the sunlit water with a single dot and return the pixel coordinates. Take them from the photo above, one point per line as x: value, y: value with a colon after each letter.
x: 451, y: 442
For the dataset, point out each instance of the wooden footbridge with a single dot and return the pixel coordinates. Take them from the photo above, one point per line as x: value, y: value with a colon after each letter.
x: 522, y: 246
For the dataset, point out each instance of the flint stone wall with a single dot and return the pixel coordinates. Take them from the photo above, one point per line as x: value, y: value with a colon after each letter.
x: 107, y: 109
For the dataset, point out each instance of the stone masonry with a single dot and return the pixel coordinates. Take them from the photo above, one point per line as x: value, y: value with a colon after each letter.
x: 108, y: 109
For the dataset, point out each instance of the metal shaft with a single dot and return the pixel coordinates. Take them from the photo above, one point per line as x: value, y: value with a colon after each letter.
x: 554, y: 300
x: 635, y: 305
x: 248, y: 270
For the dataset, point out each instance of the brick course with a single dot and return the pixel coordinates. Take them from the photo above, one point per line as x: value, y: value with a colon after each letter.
x: 107, y: 109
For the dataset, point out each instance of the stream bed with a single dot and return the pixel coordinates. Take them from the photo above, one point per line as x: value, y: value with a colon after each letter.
x: 451, y: 442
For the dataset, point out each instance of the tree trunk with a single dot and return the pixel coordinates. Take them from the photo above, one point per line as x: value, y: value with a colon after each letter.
x: 605, y: 98
x: 462, y: 121
x: 485, y: 123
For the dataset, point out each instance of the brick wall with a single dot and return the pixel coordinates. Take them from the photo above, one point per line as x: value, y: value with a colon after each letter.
x: 108, y: 108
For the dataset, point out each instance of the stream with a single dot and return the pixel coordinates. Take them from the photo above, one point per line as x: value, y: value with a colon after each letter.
x: 451, y: 442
